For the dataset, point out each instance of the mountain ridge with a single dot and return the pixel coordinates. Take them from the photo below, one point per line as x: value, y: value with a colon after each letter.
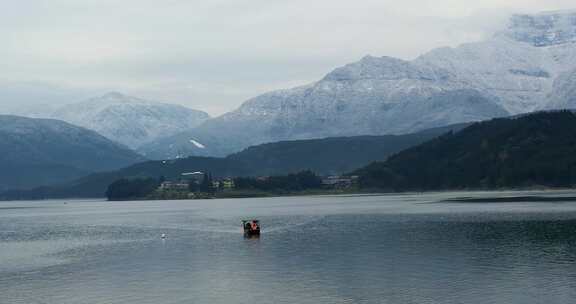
x: 325, y: 156
x: 48, y: 151
x: 125, y: 119
x: 512, y: 72
x: 129, y: 120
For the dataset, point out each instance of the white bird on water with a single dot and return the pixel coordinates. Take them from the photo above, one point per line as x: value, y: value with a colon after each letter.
x: 163, y: 236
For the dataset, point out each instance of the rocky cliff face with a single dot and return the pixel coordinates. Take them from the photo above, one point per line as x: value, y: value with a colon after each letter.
x: 519, y: 64
x: 542, y: 30
x: 563, y: 95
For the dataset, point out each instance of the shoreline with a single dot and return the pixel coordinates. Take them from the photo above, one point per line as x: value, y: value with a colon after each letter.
x: 463, y: 199
x: 373, y: 192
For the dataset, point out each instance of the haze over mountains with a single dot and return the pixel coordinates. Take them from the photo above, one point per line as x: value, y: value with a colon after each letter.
x: 529, y: 65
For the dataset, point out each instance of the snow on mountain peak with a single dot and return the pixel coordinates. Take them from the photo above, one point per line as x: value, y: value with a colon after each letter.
x: 513, y: 72
x: 114, y: 95
x: 544, y: 29
x: 116, y: 98
x: 382, y: 68
x: 129, y: 120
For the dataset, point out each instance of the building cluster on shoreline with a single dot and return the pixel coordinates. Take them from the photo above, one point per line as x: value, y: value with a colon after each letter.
x: 187, y: 184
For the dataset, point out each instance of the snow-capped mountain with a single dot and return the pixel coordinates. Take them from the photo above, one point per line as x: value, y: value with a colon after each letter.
x: 519, y: 64
x: 526, y: 66
x: 129, y: 120
x: 373, y: 96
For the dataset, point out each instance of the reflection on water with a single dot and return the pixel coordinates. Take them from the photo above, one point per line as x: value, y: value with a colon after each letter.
x: 356, y: 249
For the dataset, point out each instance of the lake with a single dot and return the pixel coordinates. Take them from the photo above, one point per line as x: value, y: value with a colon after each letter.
x: 411, y: 248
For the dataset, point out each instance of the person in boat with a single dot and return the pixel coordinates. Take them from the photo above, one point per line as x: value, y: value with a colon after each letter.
x: 251, y: 227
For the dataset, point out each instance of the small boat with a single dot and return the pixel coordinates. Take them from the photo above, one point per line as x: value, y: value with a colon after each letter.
x: 251, y: 227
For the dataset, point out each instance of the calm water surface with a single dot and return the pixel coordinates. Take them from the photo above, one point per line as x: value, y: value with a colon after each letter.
x: 356, y: 249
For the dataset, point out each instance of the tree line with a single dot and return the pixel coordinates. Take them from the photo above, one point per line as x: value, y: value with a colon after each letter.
x: 143, y: 187
x: 536, y: 150
x: 300, y: 181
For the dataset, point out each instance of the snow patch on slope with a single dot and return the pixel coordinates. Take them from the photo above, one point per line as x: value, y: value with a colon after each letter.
x: 197, y: 144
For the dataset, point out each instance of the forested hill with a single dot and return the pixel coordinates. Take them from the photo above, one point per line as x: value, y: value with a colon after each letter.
x: 328, y: 156
x: 323, y: 156
x: 532, y: 150
x: 36, y: 152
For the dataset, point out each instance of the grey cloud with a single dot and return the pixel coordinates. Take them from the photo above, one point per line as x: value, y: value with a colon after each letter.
x: 212, y: 55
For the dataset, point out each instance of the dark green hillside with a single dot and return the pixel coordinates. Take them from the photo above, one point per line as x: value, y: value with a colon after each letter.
x: 532, y: 150
x: 45, y: 151
x: 21, y: 175
x: 94, y: 185
x: 323, y: 156
x: 327, y: 156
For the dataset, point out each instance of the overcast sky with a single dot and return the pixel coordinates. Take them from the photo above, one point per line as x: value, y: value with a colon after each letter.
x: 214, y: 54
